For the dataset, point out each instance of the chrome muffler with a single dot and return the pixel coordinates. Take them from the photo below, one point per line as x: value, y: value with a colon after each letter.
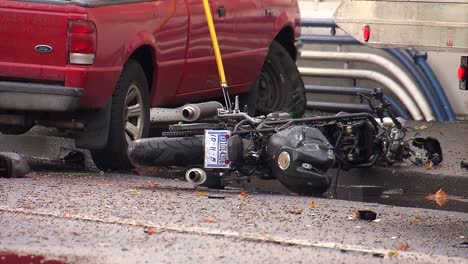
x: 195, y: 112
x: 196, y: 176
x: 186, y: 113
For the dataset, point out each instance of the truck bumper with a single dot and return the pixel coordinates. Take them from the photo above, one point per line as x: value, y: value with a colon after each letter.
x: 38, y: 97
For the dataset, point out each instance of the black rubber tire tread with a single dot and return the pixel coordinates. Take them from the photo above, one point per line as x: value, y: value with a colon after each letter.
x: 293, y: 97
x: 162, y: 151
x: 114, y: 155
x: 182, y: 133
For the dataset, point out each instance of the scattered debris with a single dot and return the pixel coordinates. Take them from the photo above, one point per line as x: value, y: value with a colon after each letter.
x: 394, y: 237
x: 431, y: 154
x: 415, y: 221
x: 296, y: 210
x: 463, y: 244
x: 13, y: 165
x: 209, y: 220
x: 376, y: 220
x: 365, y: 215
x: 216, y: 196
x: 393, y: 253
x: 150, y: 230
x: 134, y: 191
x: 404, y: 246
x: 75, y: 158
x: 461, y: 238
x: 429, y: 165
x: 378, y: 255
x: 244, y: 195
x: 464, y: 164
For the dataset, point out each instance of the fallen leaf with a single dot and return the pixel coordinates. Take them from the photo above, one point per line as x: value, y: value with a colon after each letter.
x: 393, y: 253
x: 134, y: 191
x: 429, y: 165
x: 244, y: 195
x: 415, y: 222
x: 440, y: 193
x: 403, y: 246
x: 296, y: 210
x: 198, y: 193
x: 439, y: 197
x: 209, y: 220
x: 150, y: 230
x: 440, y: 201
x: 313, y: 204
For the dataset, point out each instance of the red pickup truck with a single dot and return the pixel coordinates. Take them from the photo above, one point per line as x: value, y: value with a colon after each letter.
x: 96, y: 67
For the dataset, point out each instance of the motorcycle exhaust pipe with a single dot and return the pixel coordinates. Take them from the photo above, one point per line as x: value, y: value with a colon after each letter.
x: 195, y: 112
x: 196, y: 176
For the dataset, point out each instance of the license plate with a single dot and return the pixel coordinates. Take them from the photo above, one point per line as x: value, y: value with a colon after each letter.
x: 216, y: 149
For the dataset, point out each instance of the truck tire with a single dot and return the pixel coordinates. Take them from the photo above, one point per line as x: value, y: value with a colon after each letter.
x: 279, y: 86
x: 129, y: 118
x: 163, y: 151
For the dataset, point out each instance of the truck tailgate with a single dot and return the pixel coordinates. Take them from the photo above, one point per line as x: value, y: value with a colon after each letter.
x: 31, y: 36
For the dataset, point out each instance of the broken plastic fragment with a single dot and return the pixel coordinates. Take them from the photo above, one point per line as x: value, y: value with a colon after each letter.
x: 13, y: 165
x: 365, y: 215
x: 150, y: 230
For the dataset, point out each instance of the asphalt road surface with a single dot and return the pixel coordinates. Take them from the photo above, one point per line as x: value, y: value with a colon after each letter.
x: 111, y: 218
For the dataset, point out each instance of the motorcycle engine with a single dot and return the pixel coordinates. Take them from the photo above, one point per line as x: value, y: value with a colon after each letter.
x: 299, y: 157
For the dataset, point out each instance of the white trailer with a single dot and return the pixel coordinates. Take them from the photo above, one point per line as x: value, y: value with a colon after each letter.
x: 420, y: 24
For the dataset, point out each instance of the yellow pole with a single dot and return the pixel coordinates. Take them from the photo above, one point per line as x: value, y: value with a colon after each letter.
x: 214, y: 41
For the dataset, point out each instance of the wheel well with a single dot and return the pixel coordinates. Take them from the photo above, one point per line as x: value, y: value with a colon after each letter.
x: 286, y: 38
x: 144, y: 55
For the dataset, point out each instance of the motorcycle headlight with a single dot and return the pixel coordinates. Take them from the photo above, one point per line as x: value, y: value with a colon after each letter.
x: 284, y: 160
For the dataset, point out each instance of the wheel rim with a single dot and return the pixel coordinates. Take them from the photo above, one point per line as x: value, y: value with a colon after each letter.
x: 133, y: 114
x: 270, y: 91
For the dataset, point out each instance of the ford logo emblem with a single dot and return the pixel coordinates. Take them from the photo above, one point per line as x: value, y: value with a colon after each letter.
x: 43, y: 48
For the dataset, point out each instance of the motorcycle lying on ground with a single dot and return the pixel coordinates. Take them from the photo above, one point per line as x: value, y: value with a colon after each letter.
x: 232, y: 146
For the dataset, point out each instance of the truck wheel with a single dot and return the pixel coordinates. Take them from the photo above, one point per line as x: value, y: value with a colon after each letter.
x: 279, y: 86
x: 129, y: 119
